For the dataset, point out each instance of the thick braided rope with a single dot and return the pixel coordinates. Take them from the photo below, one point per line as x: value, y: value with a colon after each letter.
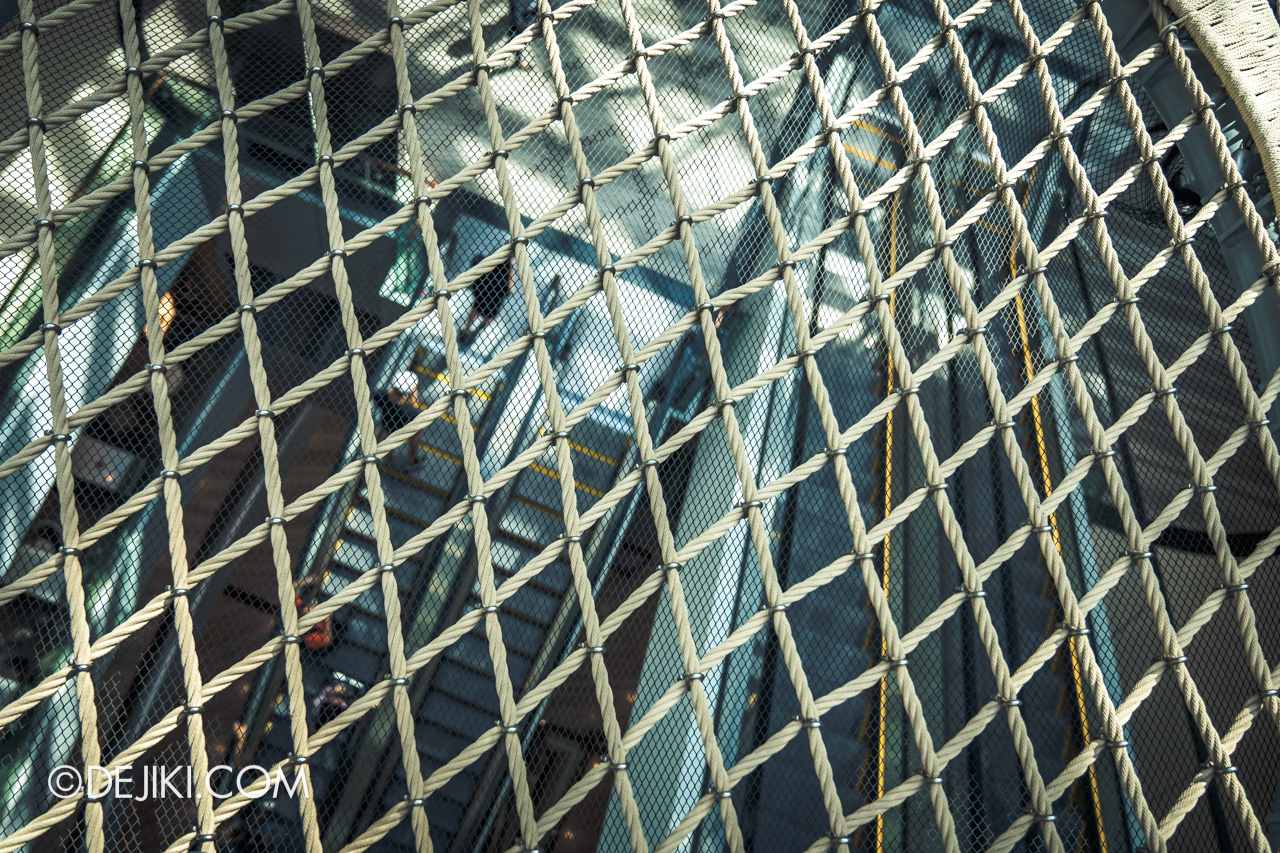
x: 1245, y: 615
x: 943, y: 468
x: 275, y: 522
x: 312, y: 498
x: 192, y: 680
x: 1241, y: 39
x: 364, y: 414
x: 72, y: 564
x: 1171, y: 649
x: 800, y: 323
x: 1042, y: 522
x: 1040, y: 803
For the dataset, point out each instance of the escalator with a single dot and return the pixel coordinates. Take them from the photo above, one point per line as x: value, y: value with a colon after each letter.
x: 461, y: 702
x: 413, y: 498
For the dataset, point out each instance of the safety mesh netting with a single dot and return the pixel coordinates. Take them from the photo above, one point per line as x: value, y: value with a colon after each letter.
x: 632, y: 425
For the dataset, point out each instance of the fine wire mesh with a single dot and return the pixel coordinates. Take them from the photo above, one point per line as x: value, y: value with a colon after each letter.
x: 633, y: 425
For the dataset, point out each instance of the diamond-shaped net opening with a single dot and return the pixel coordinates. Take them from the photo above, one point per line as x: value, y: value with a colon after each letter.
x: 633, y: 425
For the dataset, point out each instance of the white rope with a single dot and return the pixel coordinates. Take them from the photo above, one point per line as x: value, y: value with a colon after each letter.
x: 917, y: 182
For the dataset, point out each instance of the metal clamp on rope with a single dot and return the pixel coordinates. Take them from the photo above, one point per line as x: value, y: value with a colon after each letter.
x: 670, y: 568
x: 976, y: 331
x: 1219, y: 769
x: 247, y: 309
x: 168, y: 474
x: 1261, y: 422
x: 1103, y: 454
x: 1173, y: 660
x: 574, y: 539
x: 30, y: 27
x: 936, y: 487
x: 692, y: 676
x: 511, y: 730
x: 1001, y: 424
x: 1074, y: 630
x: 60, y: 438
x: 1164, y: 392
x: 1007, y: 703
x: 193, y: 710
x: 774, y: 608
x: 291, y: 639
x: 931, y: 780
x: 894, y: 663
x: 751, y: 504
x: 489, y: 608
x: 475, y: 499
x: 1234, y: 587
x: 1116, y: 744
x: 1039, y: 818
x: 860, y: 556
x: 36, y: 121
x: 1134, y: 556
x: 67, y: 551
x: 650, y: 463
x: 50, y: 327
x: 355, y: 352
x: 415, y: 802
x: 177, y: 592
x: 263, y: 413
x: 726, y: 403
x: 833, y: 452
x: 1041, y: 528
x: 591, y: 650
x: 81, y: 667
x: 971, y: 593
x: 1207, y: 106
x: 275, y: 519
x: 807, y: 722
x: 1201, y: 490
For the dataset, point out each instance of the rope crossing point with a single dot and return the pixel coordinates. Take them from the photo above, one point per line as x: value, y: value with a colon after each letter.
x: 656, y: 147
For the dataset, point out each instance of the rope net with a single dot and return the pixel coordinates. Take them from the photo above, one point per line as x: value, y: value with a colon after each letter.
x: 633, y: 425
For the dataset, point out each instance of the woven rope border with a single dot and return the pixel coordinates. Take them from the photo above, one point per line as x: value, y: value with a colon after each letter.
x: 533, y: 827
